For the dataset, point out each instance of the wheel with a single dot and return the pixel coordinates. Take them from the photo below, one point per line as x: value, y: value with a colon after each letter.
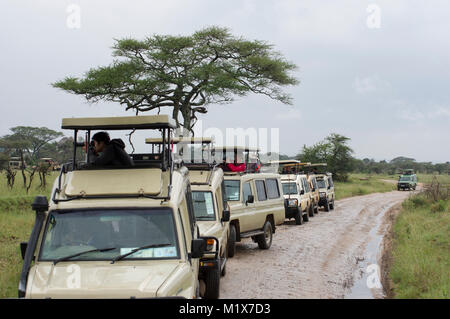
x: 212, y: 280
x: 265, y: 240
x: 316, y: 209
x: 231, y: 245
x: 311, y: 210
x: 327, y: 206
x: 224, y: 270
x: 298, y: 217
x: 332, y: 205
x: 306, y: 216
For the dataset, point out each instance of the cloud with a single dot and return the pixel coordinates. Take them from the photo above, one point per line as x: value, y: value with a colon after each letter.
x: 290, y: 114
x: 369, y: 84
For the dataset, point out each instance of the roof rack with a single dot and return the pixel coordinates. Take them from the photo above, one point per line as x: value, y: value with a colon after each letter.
x: 119, y: 123
x: 164, y: 159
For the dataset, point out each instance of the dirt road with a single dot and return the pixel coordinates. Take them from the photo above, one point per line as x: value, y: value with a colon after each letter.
x: 323, y: 258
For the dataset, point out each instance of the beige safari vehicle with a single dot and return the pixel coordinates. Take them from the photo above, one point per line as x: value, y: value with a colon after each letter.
x: 210, y: 207
x: 15, y: 163
x: 255, y: 199
x: 326, y: 191
x: 298, y: 197
x: 115, y: 232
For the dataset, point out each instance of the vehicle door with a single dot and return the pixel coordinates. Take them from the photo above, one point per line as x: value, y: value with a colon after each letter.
x: 247, y: 218
x: 262, y: 205
x: 275, y: 200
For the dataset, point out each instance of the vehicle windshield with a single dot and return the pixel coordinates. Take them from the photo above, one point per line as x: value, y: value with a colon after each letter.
x: 69, y: 233
x: 203, y: 205
x: 405, y: 178
x: 289, y: 188
x: 232, y: 189
x: 321, y: 183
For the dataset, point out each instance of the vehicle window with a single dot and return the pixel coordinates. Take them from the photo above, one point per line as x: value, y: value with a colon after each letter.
x: 69, y: 233
x: 272, y: 188
x: 203, y: 205
x: 224, y: 195
x: 314, y: 182
x: 321, y: 183
x: 261, y: 190
x: 330, y: 181
x: 232, y: 189
x: 405, y: 179
x: 289, y: 188
x: 246, y: 191
x: 305, y: 185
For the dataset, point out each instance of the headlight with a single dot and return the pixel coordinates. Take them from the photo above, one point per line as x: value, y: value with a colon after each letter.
x: 292, y: 203
x: 209, y: 244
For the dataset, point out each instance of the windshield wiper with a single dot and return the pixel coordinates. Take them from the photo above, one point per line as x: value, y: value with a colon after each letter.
x: 82, y: 253
x: 137, y: 249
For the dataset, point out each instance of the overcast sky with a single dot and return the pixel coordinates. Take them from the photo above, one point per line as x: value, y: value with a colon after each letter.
x: 386, y: 85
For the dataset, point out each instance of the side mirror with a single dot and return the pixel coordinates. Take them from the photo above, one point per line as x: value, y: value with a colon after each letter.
x: 302, y: 192
x: 313, y: 189
x: 198, y: 248
x: 225, y: 215
x: 250, y: 199
x: 23, y: 249
x: 329, y: 186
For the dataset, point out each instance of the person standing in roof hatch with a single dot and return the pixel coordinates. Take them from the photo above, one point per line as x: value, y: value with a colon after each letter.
x: 109, y: 152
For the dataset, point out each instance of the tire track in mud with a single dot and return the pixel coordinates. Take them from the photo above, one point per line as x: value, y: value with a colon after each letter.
x: 318, y: 259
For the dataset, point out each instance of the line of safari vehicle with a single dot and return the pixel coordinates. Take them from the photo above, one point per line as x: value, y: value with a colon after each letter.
x: 163, y: 227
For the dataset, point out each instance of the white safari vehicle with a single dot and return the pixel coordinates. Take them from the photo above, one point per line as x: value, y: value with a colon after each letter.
x: 298, y: 196
x: 210, y: 207
x: 255, y: 199
x: 115, y: 232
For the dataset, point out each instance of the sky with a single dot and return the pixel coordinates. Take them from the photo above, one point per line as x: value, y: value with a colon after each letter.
x: 375, y: 71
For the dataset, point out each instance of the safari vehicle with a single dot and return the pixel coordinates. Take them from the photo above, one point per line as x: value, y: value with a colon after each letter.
x: 210, y: 207
x: 15, y: 163
x: 115, y: 232
x: 298, y: 195
x: 52, y: 165
x: 408, y: 180
x: 326, y: 191
x: 255, y: 200
x: 311, y: 171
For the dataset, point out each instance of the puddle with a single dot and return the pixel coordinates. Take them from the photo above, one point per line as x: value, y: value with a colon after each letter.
x: 368, y: 267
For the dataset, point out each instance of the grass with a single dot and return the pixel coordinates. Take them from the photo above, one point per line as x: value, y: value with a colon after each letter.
x: 421, y: 249
x: 361, y: 184
x: 16, y: 223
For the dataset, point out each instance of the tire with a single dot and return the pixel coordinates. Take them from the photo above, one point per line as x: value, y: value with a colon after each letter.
x: 231, y: 245
x: 298, y: 217
x: 316, y: 209
x: 311, y: 210
x: 224, y: 270
x: 212, y: 280
x: 327, y: 206
x: 306, y: 216
x: 265, y: 240
x: 332, y: 205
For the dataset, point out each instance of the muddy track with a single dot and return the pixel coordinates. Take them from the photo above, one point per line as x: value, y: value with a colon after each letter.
x: 319, y: 259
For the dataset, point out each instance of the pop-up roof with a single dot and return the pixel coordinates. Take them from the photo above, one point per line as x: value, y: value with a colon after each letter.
x: 187, y: 140
x: 119, y: 123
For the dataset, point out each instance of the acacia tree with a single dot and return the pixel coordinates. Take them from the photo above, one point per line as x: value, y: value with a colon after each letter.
x: 187, y: 73
x: 334, y: 151
x: 34, y: 137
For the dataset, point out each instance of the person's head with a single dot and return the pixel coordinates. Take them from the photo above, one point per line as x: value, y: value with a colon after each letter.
x: 100, y: 139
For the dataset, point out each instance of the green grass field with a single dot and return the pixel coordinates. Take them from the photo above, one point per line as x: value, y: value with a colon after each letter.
x: 16, y: 223
x: 361, y: 184
x: 421, y: 249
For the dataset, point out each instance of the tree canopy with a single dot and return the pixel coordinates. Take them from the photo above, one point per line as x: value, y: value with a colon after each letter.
x: 186, y: 73
x: 28, y: 140
x: 334, y: 151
